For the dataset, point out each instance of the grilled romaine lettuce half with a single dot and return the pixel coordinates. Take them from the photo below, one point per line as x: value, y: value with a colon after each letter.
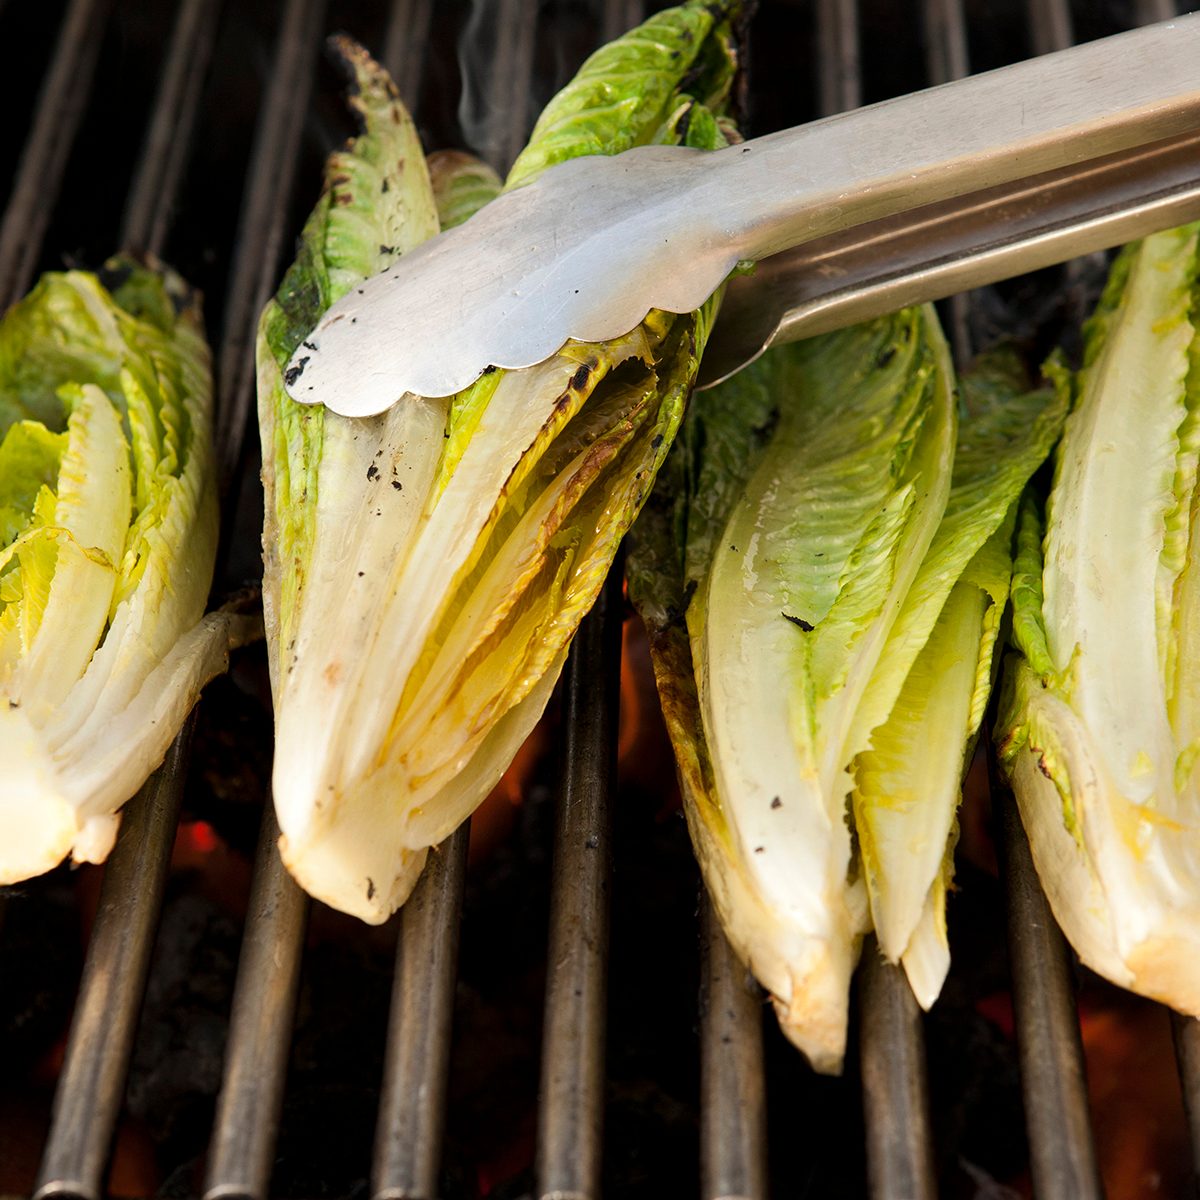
x: 108, y: 529
x: 1100, y: 714
x: 822, y: 577
x: 907, y: 784
x: 427, y: 568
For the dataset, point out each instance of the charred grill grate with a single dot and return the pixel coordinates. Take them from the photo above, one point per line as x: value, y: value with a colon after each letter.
x: 409, y: 1135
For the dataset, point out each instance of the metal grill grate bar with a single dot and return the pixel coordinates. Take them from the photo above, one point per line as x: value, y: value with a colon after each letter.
x: 261, y: 224
x: 408, y: 1135
x: 1149, y: 11
x: 1051, y: 1055
x: 260, y: 1026
x: 1050, y: 26
x: 56, y: 120
x: 733, y: 1099
x: 405, y: 45
x: 1186, y: 1032
x: 1062, y: 1154
x: 510, y: 81
x: 150, y: 206
x: 87, y: 1101
x: 895, y: 1085
x: 570, y: 1106
x: 733, y: 1118
x: 947, y: 58
x: 620, y: 16
x: 945, y: 31
x: 264, y: 998
x: 891, y: 1036
x: 839, y: 71
x: 412, y: 1106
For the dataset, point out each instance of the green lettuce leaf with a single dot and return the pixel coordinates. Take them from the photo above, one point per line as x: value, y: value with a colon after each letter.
x: 107, y: 537
x: 1098, y: 724
x: 822, y: 570
x: 460, y: 539
x: 462, y: 185
x: 905, y: 797
x: 786, y: 612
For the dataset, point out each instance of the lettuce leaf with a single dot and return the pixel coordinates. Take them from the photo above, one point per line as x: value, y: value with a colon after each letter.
x: 1098, y: 724
x: 461, y: 540
x: 108, y: 529
x: 822, y: 571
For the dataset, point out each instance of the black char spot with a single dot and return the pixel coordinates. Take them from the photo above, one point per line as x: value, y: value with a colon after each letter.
x: 799, y: 621
x: 293, y: 373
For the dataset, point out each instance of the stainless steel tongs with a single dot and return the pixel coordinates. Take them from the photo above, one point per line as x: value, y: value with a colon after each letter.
x: 847, y: 217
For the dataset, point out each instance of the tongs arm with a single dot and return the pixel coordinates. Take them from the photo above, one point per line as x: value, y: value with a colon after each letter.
x: 588, y: 249
x: 960, y: 138
x: 935, y: 251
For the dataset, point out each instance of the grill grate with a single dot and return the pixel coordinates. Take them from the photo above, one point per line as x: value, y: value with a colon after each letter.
x: 88, y: 1099
x: 1062, y: 1156
x: 56, y: 121
x: 411, y: 1113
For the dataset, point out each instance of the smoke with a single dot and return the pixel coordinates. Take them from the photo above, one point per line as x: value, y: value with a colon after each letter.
x: 514, y: 55
x: 496, y: 59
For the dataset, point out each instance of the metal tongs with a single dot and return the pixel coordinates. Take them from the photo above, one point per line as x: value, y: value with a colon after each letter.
x: 848, y: 217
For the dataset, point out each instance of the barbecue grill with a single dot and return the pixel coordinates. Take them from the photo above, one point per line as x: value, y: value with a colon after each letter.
x: 191, y: 55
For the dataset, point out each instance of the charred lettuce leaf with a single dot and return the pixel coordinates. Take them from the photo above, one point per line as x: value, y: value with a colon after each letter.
x: 459, y: 541
x: 822, y: 569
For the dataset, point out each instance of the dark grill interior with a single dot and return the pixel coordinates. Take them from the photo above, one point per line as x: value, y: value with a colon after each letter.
x: 322, y: 1058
